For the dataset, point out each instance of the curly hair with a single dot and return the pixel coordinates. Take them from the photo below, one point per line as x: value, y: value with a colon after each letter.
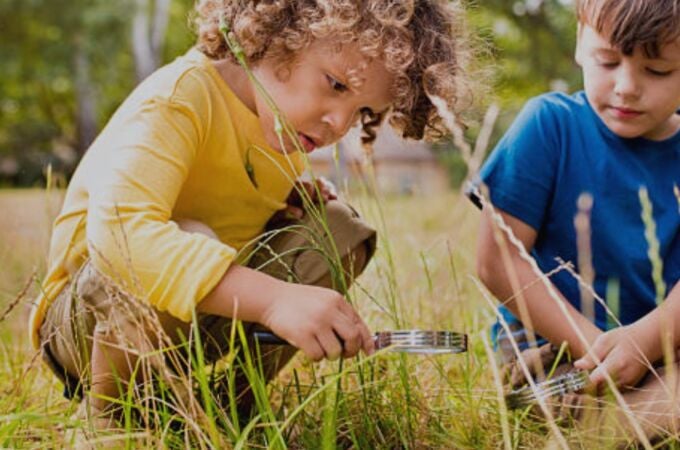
x: 423, y: 44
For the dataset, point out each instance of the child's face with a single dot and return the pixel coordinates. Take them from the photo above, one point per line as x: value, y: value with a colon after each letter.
x: 635, y: 96
x: 316, y: 95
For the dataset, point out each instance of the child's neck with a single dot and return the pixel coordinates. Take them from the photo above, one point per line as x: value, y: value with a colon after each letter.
x: 235, y: 77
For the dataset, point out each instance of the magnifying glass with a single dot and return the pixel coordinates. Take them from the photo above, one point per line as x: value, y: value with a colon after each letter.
x: 427, y: 342
x: 567, y: 383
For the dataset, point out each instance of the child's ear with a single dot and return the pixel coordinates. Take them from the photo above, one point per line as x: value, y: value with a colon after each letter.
x: 578, y: 54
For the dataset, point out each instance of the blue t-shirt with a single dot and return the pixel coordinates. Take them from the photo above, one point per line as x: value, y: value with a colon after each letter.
x: 558, y: 148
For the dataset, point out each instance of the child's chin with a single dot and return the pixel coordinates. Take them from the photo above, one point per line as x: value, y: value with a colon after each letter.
x: 624, y: 131
x: 286, y: 150
x: 275, y: 145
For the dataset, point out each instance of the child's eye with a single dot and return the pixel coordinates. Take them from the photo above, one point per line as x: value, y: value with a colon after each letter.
x: 659, y: 73
x: 335, y: 84
x: 609, y: 64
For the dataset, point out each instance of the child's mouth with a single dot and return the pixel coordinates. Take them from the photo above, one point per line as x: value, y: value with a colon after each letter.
x: 307, y: 143
x: 625, y: 113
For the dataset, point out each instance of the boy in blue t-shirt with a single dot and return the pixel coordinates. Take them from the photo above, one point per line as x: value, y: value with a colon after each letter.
x: 620, y: 135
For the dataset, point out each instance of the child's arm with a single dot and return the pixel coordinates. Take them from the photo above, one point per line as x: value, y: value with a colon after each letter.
x: 505, y: 283
x: 317, y: 320
x: 133, y: 240
x: 627, y: 352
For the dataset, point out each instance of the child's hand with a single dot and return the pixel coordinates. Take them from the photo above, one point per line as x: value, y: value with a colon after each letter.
x: 318, y: 321
x: 326, y: 191
x: 620, y: 353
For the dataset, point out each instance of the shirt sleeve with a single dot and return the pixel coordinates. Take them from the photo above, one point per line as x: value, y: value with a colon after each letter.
x: 520, y: 173
x: 131, y: 198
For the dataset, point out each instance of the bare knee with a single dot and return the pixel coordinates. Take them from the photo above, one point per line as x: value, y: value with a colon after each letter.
x: 194, y: 226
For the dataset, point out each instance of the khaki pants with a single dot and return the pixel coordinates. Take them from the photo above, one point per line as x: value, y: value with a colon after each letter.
x: 91, y: 302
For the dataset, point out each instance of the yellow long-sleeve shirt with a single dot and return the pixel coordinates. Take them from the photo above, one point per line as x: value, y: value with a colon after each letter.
x: 177, y: 147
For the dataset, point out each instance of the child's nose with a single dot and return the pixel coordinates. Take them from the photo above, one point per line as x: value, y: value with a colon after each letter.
x: 340, y: 121
x: 626, y: 83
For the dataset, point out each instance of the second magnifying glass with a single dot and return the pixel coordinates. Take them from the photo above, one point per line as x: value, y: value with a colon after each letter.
x: 570, y: 382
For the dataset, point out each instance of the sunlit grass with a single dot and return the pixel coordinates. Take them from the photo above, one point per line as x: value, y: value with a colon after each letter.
x: 422, y: 277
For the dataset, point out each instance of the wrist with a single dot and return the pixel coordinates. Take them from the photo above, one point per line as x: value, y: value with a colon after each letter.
x: 591, y: 333
x: 244, y: 294
x: 275, y: 293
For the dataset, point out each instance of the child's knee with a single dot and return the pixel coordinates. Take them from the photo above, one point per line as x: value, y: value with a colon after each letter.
x: 354, y: 240
x: 357, y: 260
x: 304, y: 249
x: 194, y: 226
x: 120, y: 317
x: 353, y: 264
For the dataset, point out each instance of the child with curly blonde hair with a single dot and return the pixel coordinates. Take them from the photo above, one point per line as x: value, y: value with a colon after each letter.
x: 191, y: 168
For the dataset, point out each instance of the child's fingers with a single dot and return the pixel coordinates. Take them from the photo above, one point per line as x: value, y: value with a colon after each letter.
x: 330, y: 343
x: 367, y: 342
x: 350, y: 334
x: 327, y: 189
x: 313, y: 349
x: 294, y: 212
x: 608, y: 364
x: 624, y: 372
x: 599, y: 375
x: 309, y: 188
x: 588, y: 361
x: 597, y: 353
x: 585, y: 363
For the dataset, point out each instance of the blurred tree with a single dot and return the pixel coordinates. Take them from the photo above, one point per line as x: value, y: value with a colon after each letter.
x: 66, y: 66
x: 149, y: 24
x: 530, y: 46
x: 532, y: 43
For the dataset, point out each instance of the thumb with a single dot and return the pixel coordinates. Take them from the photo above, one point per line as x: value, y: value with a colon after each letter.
x: 585, y: 363
x: 594, y: 354
x: 598, y: 375
x: 598, y: 352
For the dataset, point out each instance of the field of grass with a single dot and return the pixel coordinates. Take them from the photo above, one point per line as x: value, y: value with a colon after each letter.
x: 422, y: 277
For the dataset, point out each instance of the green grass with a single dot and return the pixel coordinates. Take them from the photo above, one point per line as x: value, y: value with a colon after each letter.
x: 422, y: 277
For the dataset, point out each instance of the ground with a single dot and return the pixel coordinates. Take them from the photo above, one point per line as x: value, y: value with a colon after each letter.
x: 422, y: 277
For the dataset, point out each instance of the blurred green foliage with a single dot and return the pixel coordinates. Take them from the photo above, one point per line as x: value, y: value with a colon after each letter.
x: 529, y: 45
x: 39, y: 81
x: 69, y: 63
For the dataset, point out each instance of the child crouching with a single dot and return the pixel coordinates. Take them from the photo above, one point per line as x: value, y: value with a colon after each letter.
x: 191, y: 168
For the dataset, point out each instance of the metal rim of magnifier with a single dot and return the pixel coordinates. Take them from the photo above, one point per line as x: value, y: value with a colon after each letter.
x: 422, y: 341
x: 564, y: 384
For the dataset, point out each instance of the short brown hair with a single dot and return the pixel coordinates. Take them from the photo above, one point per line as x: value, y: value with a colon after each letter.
x: 422, y: 42
x: 648, y: 24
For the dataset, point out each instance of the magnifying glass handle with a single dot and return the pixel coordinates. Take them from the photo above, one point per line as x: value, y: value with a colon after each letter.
x: 267, y: 337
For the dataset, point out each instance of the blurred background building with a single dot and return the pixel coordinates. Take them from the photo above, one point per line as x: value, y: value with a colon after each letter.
x: 400, y: 166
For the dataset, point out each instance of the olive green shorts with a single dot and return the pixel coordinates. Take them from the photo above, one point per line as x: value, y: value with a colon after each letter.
x: 297, y: 252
